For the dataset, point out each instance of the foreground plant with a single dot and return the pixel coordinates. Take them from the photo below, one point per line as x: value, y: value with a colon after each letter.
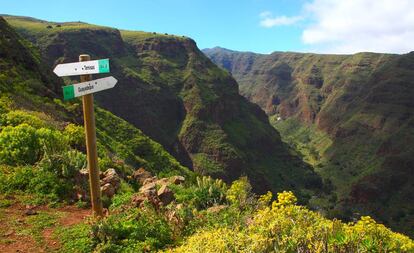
x: 287, y: 227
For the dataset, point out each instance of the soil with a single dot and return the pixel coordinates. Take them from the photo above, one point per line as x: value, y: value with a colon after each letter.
x: 14, y: 217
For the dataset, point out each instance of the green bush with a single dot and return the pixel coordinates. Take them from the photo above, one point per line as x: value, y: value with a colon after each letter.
x: 45, y: 185
x: 240, y: 193
x: 64, y: 164
x: 19, y: 145
x: 17, y: 117
x: 24, y: 144
x: 51, y: 141
x: 75, y: 136
x: 134, y: 230
x: 207, y: 192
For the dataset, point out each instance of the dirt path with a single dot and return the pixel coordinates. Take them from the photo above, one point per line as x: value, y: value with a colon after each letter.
x: 18, y: 234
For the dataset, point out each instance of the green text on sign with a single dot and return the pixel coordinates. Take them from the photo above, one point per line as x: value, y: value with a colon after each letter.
x: 103, y: 66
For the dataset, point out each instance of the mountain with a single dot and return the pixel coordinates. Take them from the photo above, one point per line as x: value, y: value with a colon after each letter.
x: 171, y: 91
x: 350, y: 116
x: 161, y: 207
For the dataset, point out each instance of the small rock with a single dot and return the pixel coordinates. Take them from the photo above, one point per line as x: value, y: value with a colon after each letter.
x: 9, y: 233
x: 148, y: 188
x: 149, y: 180
x: 165, y: 195
x: 137, y: 200
x: 111, y: 177
x: 108, y: 190
x: 141, y: 175
x: 177, y: 179
x: 163, y: 181
x: 30, y: 211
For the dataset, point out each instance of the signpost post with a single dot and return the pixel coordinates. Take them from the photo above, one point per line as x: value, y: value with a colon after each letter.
x: 91, y: 151
x: 85, y: 67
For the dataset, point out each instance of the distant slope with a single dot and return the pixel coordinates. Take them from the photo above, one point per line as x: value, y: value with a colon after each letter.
x: 351, y: 116
x: 176, y: 95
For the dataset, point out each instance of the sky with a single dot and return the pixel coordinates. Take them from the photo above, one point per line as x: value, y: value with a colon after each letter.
x: 262, y: 26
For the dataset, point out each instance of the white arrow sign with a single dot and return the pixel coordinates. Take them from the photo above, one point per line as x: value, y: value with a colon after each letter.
x: 81, y: 89
x: 82, y: 68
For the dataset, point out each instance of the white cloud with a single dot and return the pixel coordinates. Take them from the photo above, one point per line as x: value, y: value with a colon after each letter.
x: 267, y: 20
x: 349, y: 26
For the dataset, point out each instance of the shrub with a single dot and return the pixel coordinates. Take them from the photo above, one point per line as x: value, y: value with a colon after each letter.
x: 75, y: 239
x: 24, y: 144
x: 75, y: 136
x: 135, y: 230
x: 45, y: 185
x: 64, y: 164
x: 51, y: 141
x: 285, y: 227
x: 17, y: 117
x: 205, y: 193
x: 240, y: 193
x: 19, y: 145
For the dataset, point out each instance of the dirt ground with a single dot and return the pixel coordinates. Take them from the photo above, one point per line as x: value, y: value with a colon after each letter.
x: 14, y: 219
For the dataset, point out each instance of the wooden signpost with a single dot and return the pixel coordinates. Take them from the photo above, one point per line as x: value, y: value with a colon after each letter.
x: 85, y: 67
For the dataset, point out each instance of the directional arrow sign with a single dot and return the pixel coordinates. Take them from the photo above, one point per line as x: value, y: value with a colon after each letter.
x: 81, y: 89
x: 82, y: 68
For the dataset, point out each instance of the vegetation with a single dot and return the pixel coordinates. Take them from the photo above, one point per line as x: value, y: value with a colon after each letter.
x: 257, y: 226
x: 286, y: 227
x: 42, y: 154
x: 346, y: 115
x: 186, y: 103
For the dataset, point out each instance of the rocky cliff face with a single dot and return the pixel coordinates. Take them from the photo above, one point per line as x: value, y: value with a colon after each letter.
x: 349, y: 115
x: 176, y: 95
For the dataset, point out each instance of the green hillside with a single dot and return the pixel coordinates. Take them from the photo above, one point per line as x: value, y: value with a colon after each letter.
x: 177, y: 96
x: 31, y: 108
x: 350, y: 116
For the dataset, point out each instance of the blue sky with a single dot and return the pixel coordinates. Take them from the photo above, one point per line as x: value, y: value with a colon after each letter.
x: 263, y: 26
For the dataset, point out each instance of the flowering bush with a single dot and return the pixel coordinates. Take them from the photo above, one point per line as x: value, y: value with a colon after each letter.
x: 286, y: 227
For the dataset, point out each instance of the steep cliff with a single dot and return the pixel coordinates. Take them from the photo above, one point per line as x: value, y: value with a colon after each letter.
x: 350, y: 116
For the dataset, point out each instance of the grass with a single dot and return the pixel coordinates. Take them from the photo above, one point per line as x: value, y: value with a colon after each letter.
x: 75, y: 239
x: 42, y: 28
x: 36, y: 224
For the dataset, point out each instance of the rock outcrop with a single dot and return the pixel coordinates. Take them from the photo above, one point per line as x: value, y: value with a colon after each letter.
x: 156, y: 191
x: 109, y: 182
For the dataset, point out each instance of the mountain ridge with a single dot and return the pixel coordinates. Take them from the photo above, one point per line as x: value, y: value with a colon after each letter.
x: 346, y: 115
